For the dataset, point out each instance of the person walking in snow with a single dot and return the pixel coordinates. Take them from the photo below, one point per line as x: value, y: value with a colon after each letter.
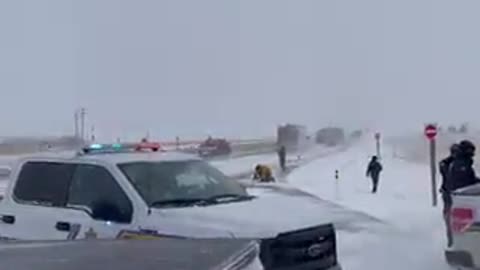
x: 461, y: 173
x: 373, y: 171
x: 444, y: 167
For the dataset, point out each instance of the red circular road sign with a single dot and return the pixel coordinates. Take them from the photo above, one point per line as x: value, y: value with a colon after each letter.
x: 431, y: 131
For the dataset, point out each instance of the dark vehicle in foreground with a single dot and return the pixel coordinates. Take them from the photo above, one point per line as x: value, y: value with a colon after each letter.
x: 167, y: 253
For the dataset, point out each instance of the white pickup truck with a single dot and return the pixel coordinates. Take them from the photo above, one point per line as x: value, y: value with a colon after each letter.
x: 119, y: 191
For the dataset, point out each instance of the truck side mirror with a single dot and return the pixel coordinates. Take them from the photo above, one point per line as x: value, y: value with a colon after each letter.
x: 5, y: 171
x: 108, y: 211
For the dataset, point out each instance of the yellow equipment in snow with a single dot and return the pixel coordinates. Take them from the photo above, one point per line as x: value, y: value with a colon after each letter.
x: 263, y: 174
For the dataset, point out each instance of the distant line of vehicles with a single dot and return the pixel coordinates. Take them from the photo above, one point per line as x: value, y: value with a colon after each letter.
x: 291, y: 136
x: 295, y: 137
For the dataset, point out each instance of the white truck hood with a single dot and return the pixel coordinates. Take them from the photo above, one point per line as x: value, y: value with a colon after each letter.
x: 273, y: 211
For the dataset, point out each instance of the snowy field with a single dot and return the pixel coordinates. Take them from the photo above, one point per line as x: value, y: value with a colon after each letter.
x: 406, y: 232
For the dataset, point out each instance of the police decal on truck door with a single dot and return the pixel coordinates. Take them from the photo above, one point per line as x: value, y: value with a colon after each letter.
x: 74, y: 231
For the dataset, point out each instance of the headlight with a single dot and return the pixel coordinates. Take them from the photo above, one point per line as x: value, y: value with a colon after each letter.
x: 247, y: 259
x: 254, y: 265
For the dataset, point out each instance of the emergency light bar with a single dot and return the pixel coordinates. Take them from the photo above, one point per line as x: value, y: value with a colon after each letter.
x: 120, y: 147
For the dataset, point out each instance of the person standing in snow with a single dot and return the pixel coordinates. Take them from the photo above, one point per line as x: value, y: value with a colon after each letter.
x: 282, y: 157
x: 373, y: 171
x: 444, y: 167
x: 461, y: 173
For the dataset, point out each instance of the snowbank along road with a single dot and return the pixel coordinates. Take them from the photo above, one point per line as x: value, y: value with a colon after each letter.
x: 405, y: 231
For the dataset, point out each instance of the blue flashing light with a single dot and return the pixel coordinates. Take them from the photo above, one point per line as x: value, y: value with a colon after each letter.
x: 95, y: 146
x: 100, y: 148
x: 119, y: 147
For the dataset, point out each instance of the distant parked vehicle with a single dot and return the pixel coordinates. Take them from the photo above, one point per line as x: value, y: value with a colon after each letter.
x: 292, y: 137
x: 330, y: 136
x: 356, y: 134
x: 214, y: 147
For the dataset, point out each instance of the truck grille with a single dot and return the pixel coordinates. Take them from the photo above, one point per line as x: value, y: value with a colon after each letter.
x: 308, y: 249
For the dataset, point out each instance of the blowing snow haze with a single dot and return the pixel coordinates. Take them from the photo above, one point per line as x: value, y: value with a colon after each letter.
x: 236, y: 68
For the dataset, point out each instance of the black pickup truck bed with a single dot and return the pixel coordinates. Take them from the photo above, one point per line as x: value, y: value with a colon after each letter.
x: 172, y: 254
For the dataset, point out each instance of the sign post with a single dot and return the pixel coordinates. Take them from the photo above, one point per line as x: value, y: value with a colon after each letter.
x: 337, y: 191
x: 177, y: 142
x: 431, y: 134
x: 377, y: 144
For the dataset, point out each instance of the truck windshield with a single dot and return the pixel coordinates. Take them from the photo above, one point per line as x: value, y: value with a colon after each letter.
x: 180, y: 183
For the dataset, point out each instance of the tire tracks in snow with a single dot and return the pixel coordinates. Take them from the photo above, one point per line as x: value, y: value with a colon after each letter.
x: 352, y: 220
x: 357, y: 215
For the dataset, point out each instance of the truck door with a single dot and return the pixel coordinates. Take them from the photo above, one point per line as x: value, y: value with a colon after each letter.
x: 35, y: 210
x: 94, y: 189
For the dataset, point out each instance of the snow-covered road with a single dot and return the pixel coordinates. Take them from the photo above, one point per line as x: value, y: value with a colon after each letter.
x: 411, y: 232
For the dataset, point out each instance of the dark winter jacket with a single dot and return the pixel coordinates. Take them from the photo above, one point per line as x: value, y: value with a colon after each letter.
x: 374, y: 168
x: 282, y: 152
x: 444, y: 166
x: 460, y: 174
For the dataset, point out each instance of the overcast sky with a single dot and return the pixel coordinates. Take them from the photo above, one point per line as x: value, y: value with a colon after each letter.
x: 236, y: 68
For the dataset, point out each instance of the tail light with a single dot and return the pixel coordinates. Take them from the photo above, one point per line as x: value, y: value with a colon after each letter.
x: 461, y: 219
